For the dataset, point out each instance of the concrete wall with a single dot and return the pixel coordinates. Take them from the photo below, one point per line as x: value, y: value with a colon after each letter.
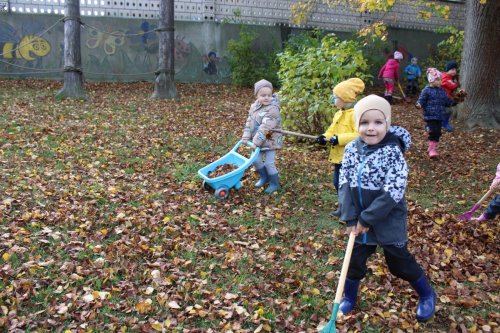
x: 119, y: 42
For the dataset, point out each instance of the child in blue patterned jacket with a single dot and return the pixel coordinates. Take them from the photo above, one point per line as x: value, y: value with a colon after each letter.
x: 433, y: 100
x: 372, y: 202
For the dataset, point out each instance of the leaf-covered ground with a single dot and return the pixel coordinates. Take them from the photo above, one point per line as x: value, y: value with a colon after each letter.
x: 105, y: 225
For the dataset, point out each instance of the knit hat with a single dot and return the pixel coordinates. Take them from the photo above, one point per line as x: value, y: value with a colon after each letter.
x: 348, y: 90
x: 372, y: 102
x: 261, y: 84
x: 398, y: 55
x: 432, y: 74
x: 450, y: 65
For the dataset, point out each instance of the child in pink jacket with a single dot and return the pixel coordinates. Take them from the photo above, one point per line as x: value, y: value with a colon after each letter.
x: 493, y: 208
x: 390, y: 74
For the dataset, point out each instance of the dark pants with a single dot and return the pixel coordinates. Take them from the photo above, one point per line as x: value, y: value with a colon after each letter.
x: 434, y: 129
x: 493, y: 208
x: 400, y: 262
x: 336, y: 176
x: 411, y: 87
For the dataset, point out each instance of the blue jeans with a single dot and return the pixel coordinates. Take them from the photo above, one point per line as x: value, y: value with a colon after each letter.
x: 493, y: 208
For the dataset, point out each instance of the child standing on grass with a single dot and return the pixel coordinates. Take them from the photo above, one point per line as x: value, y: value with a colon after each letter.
x: 413, y: 73
x: 390, y: 74
x: 372, y: 202
x: 433, y: 100
x: 263, y: 117
x: 494, y: 206
x: 342, y: 130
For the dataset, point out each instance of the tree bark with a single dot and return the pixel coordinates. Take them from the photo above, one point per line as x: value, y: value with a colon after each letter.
x: 480, y: 68
x: 73, y: 76
x: 165, y: 75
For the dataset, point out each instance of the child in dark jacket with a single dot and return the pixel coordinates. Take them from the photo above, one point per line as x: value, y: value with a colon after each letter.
x: 433, y: 100
x: 372, y: 202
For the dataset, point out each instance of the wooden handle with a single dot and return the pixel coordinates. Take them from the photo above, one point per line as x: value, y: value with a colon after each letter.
x: 294, y: 133
x: 345, y: 268
x: 485, y: 196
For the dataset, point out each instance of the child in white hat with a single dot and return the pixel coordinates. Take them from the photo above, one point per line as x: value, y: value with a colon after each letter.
x: 433, y: 100
x: 390, y: 74
x: 372, y: 202
x: 263, y: 117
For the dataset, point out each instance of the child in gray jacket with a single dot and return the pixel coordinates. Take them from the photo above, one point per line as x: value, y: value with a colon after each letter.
x: 372, y: 202
x: 263, y: 118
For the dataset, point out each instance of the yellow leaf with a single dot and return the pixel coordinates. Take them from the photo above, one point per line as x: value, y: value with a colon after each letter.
x: 104, y: 231
x: 143, y: 307
x: 6, y: 256
x: 315, y: 291
x: 439, y: 220
x: 157, y: 326
x: 448, y: 252
x: 472, y: 278
x: 203, y: 274
x: 166, y: 219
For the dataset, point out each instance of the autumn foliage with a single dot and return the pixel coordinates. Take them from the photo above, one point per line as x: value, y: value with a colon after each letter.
x: 105, y: 225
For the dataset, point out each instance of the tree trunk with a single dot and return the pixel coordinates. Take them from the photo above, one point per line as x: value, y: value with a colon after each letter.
x: 73, y: 77
x: 480, y: 68
x: 165, y: 81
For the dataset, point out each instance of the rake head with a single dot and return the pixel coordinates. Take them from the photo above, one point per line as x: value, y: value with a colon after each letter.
x: 468, y: 215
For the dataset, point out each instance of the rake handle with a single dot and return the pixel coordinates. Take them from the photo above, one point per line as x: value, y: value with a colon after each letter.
x: 490, y: 191
x: 294, y: 133
x: 345, y: 267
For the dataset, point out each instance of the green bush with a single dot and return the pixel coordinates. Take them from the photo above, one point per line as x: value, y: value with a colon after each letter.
x: 248, y: 64
x: 448, y: 49
x: 308, y: 75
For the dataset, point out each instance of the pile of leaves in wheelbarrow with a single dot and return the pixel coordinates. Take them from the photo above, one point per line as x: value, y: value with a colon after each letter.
x: 104, y: 224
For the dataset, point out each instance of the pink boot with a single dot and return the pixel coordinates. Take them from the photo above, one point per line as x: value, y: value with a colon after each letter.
x: 481, y: 218
x: 432, y: 150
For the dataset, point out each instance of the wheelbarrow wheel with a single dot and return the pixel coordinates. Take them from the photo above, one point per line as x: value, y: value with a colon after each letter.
x: 205, y: 186
x: 222, y: 192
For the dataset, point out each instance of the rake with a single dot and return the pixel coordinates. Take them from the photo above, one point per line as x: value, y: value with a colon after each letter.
x: 330, y: 326
x: 468, y: 215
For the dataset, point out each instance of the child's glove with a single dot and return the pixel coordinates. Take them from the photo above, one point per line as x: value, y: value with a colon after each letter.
x: 418, y: 106
x: 334, y: 140
x: 244, y: 141
x: 321, y: 140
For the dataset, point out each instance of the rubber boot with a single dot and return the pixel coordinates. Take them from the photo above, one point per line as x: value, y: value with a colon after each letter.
x: 263, y: 177
x: 348, y: 302
x: 427, y: 298
x: 446, y: 124
x: 274, y: 183
x: 433, y: 153
x: 388, y: 98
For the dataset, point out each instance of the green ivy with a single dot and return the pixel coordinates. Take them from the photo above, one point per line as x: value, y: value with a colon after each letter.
x: 248, y: 64
x: 448, y: 49
x: 308, y: 75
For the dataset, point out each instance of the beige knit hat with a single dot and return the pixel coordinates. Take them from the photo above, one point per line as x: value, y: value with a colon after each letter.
x: 348, y: 90
x: 372, y: 102
x: 261, y: 84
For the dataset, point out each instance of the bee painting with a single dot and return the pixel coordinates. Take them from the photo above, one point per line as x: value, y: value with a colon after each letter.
x: 28, y: 47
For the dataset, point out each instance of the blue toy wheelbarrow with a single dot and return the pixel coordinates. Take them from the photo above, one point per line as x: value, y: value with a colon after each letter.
x: 222, y: 184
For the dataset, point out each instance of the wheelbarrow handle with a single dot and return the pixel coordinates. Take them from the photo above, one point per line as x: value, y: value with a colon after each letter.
x: 295, y: 133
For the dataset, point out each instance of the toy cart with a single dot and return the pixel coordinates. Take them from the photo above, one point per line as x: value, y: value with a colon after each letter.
x: 222, y: 184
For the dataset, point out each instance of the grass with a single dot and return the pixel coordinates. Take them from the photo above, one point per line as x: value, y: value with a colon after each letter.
x: 119, y: 181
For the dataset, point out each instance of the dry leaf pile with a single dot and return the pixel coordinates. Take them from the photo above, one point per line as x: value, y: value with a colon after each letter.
x: 104, y: 224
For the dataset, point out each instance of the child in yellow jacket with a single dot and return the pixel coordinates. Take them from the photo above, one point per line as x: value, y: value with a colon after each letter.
x: 343, y: 129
